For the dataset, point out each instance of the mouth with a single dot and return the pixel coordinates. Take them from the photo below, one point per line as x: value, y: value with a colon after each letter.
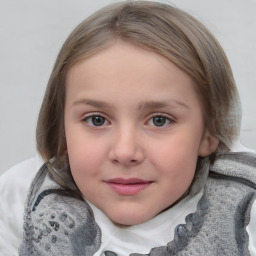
x: 128, y: 186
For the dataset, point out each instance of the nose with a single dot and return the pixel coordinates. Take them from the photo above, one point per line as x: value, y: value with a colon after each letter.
x: 126, y: 147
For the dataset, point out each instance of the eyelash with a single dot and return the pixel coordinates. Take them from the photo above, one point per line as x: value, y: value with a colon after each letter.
x: 161, y: 116
x: 92, y: 119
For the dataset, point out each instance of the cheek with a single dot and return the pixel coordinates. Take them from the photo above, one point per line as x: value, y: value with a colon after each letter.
x: 85, y: 156
x: 177, y: 172
x: 178, y: 149
x: 177, y: 158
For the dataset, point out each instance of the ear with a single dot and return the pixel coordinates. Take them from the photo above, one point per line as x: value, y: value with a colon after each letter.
x: 208, y: 144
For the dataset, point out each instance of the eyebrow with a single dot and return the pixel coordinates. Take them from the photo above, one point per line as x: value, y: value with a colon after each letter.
x: 144, y: 105
x: 163, y: 104
x: 94, y: 103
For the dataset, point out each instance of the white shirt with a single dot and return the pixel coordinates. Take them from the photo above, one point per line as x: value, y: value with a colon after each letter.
x: 14, y: 186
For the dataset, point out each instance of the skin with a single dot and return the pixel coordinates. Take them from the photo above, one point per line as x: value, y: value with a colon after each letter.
x: 132, y: 114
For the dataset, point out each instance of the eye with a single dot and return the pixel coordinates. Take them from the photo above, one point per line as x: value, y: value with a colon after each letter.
x: 96, y: 120
x: 159, y: 121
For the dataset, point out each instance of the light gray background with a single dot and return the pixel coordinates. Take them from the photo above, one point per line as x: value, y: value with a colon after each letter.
x: 32, y: 32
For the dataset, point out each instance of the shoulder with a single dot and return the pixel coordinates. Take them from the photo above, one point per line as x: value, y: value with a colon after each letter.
x: 236, y: 166
x: 53, y: 212
x: 19, y: 174
x: 15, y: 182
x: 233, y: 187
x: 14, y: 186
x: 232, y: 180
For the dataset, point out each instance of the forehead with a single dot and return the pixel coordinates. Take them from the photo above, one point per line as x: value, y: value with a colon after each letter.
x: 127, y: 54
x: 126, y: 65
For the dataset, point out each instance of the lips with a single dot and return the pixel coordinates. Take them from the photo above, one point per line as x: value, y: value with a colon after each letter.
x: 128, y: 186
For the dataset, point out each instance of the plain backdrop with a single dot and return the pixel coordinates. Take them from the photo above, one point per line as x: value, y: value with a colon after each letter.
x: 32, y: 32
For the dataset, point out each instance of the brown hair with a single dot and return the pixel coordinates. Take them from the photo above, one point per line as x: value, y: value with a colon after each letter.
x: 157, y: 27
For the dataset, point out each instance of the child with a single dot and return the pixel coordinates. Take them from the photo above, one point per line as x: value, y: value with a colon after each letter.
x: 135, y: 130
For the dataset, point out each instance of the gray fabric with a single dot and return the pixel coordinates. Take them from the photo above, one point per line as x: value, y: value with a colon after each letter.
x: 58, y: 224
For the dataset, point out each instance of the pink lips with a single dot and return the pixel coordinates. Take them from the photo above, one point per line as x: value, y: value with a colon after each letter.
x: 128, y: 186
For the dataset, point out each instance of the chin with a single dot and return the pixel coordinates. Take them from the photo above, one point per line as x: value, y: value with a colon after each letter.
x: 128, y: 222
x: 126, y: 219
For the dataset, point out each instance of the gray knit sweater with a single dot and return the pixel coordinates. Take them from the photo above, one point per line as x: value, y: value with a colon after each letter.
x: 59, y: 223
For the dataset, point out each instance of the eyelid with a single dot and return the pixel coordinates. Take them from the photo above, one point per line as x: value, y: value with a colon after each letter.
x: 167, y: 116
x: 86, y: 116
x: 93, y: 113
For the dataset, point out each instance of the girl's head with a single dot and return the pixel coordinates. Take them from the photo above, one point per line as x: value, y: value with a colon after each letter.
x: 185, y: 51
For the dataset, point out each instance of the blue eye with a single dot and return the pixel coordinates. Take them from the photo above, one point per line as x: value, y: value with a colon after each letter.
x: 159, y: 121
x: 96, y: 120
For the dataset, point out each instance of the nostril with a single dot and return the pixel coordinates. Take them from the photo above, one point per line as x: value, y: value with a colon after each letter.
x: 129, y: 162
x: 115, y: 161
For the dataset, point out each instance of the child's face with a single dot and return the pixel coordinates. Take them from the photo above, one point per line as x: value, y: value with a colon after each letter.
x: 134, y: 129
